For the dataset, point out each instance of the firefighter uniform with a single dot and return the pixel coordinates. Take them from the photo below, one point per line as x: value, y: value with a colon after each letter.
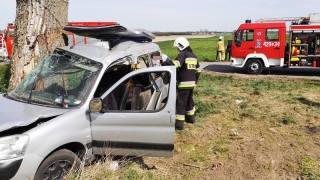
x: 188, y: 72
x: 220, y: 47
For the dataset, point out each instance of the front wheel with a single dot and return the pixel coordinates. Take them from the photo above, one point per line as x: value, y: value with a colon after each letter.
x: 57, y: 165
x: 254, y: 66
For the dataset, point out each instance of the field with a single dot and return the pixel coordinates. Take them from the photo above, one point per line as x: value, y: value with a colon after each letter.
x: 247, y: 128
x: 204, y: 48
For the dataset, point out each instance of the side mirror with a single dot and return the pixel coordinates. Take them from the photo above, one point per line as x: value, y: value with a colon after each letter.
x: 95, y: 105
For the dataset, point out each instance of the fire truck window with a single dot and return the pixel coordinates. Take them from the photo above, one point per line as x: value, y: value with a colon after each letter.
x: 248, y: 35
x: 272, y: 34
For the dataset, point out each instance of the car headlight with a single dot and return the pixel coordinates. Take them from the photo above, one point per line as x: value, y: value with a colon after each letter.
x: 13, y: 146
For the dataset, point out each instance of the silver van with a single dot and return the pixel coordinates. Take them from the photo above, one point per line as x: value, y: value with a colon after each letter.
x: 87, y: 100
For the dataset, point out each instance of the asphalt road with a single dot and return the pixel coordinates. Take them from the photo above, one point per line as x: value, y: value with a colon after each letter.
x: 226, y: 68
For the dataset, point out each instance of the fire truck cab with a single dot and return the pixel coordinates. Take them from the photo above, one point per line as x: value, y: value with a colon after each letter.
x: 269, y: 44
x: 6, y: 41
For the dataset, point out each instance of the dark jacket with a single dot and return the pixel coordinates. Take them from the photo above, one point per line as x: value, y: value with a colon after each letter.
x: 188, y: 69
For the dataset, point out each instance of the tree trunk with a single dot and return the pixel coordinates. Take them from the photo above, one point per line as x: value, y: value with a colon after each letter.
x: 38, y: 31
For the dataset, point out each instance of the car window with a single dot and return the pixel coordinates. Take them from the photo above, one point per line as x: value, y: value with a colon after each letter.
x: 62, y: 79
x: 141, y: 92
x: 145, y: 60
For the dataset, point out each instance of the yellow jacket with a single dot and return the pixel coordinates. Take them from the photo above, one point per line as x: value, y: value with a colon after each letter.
x: 220, y: 46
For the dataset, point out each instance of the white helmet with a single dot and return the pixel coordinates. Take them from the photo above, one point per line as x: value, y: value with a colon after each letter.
x: 181, y: 43
x: 221, y: 37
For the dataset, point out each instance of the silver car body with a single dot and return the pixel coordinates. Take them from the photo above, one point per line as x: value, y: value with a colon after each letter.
x: 135, y: 133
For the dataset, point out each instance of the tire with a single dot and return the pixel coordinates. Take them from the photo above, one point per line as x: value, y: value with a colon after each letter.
x: 57, y: 165
x: 254, y: 66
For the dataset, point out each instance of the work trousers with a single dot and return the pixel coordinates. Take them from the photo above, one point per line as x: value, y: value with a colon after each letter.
x: 228, y: 54
x: 221, y: 55
x: 185, y: 110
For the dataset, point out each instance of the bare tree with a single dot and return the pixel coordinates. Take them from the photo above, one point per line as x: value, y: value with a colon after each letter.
x: 38, y: 31
x: 205, y: 31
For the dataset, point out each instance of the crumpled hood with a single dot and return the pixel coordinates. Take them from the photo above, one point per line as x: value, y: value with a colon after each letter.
x: 15, y: 114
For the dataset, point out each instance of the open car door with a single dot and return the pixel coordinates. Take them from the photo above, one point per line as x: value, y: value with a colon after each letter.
x: 138, y: 115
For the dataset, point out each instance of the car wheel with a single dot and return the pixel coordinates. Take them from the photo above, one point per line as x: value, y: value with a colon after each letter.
x: 57, y: 165
x: 254, y: 66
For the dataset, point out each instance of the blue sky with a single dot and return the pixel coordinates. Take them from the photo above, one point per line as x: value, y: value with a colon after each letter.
x: 176, y: 15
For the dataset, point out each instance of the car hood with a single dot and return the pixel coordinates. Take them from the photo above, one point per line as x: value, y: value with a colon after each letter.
x: 14, y: 114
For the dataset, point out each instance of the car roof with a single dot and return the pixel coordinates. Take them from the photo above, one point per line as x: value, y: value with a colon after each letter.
x: 113, y: 42
x: 99, y: 51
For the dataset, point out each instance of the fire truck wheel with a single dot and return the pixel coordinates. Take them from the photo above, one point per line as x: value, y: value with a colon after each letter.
x: 254, y: 66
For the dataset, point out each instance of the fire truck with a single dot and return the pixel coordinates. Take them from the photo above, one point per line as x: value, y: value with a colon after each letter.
x: 6, y: 41
x: 268, y: 43
x: 6, y: 37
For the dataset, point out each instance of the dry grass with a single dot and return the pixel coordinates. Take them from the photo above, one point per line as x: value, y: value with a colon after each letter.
x: 247, y: 128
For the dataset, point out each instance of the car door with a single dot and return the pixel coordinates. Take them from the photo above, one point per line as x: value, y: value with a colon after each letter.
x: 139, y: 115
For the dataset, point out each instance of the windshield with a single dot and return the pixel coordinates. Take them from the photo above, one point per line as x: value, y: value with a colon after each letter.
x: 61, y: 77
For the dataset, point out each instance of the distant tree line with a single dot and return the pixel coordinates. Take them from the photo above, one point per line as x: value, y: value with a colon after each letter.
x: 204, y: 32
x: 171, y: 33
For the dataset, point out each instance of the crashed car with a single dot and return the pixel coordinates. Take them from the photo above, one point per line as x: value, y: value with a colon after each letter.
x: 88, y: 100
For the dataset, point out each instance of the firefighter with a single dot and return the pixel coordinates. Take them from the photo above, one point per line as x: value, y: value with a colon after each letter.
x: 188, y: 72
x: 220, y: 47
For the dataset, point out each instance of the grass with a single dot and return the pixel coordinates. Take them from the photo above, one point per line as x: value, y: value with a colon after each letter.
x: 204, y: 48
x: 4, y: 77
x: 272, y: 131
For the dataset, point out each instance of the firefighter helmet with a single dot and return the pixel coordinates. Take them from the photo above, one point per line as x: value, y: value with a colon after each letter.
x: 181, y: 43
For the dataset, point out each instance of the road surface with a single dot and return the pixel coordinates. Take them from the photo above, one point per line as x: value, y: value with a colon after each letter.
x: 225, y: 68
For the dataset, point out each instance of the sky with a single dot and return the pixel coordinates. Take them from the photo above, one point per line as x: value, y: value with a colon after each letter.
x: 176, y: 15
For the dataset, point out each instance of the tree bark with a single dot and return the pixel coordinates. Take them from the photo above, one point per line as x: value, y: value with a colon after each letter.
x: 38, y: 31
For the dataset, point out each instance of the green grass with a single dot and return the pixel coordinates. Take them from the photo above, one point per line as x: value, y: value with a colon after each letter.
x: 204, y: 48
x: 4, y: 78
x: 309, y: 168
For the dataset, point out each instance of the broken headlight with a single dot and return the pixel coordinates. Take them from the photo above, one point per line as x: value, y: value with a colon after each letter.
x: 13, y: 146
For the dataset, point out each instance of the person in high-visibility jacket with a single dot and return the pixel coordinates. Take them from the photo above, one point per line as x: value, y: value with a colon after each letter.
x: 221, y: 49
x: 188, y: 72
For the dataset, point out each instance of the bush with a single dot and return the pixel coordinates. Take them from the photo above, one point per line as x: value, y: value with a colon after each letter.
x: 4, y: 78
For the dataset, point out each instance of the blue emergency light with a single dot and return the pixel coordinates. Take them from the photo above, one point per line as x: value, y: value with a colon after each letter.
x: 248, y: 20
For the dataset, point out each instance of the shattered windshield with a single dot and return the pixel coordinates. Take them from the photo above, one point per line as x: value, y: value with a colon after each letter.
x: 62, y: 79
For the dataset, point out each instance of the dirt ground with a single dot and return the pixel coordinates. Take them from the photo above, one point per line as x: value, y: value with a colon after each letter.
x: 260, y: 152
x: 168, y: 38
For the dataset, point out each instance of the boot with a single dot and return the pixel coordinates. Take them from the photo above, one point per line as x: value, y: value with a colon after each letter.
x: 191, y: 119
x: 179, y: 125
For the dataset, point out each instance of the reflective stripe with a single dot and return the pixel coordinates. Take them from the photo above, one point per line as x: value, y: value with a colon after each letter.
x: 191, y: 112
x: 187, y: 84
x: 176, y: 63
x: 180, y: 117
x: 191, y: 63
x: 198, y: 70
x: 191, y: 60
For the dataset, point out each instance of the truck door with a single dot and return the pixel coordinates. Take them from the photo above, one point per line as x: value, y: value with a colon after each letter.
x: 244, y: 43
x: 271, y: 44
x: 138, y: 117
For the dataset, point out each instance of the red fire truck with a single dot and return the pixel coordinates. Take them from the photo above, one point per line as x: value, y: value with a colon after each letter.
x: 268, y: 43
x: 6, y: 37
x: 6, y: 41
